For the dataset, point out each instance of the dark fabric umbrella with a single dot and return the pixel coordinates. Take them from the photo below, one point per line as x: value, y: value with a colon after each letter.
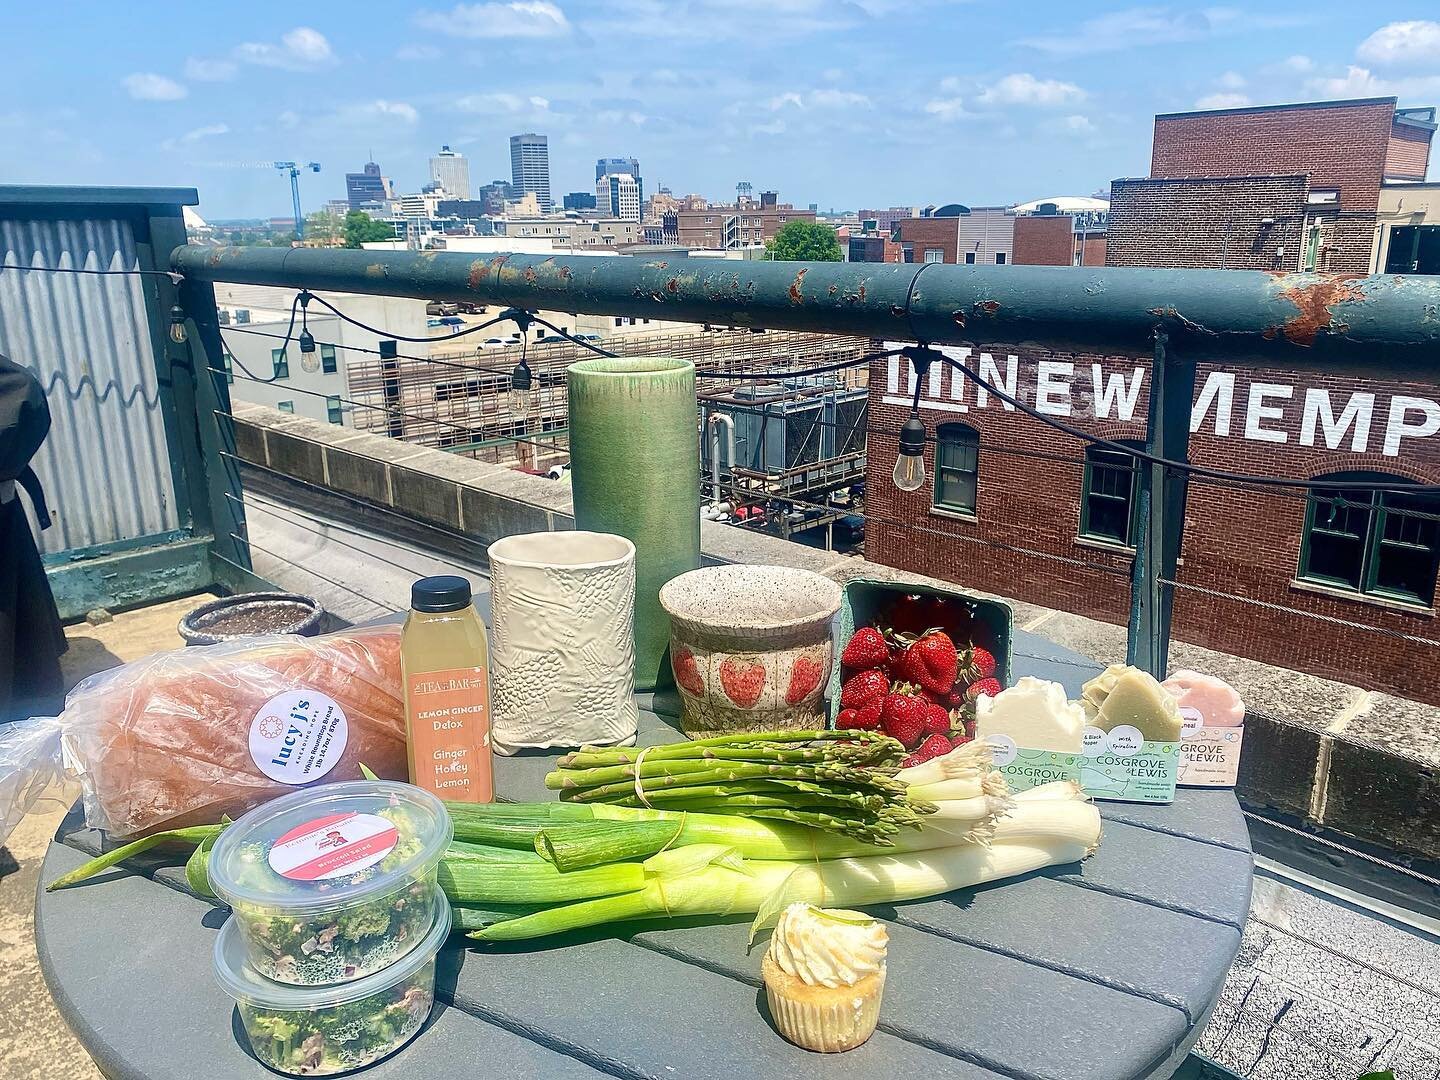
x: 31, y: 637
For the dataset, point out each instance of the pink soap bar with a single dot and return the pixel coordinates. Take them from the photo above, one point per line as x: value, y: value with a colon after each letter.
x: 1214, y: 699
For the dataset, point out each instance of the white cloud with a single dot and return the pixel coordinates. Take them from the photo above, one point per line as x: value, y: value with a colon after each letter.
x: 289, y: 119
x: 147, y: 86
x: 502, y: 103
x: 825, y: 98
x: 1077, y: 124
x: 614, y: 117
x: 952, y: 108
x: 209, y: 131
x: 418, y: 52
x: 1362, y: 82
x: 1298, y: 63
x: 301, y: 49
x: 1146, y: 27
x: 517, y: 19
x: 1231, y: 80
x: 207, y: 69
x: 1223, y: 101
x: 1414, y: 43
x: 397, y: 110
x: 774, y: 127
x: 1023, y: 88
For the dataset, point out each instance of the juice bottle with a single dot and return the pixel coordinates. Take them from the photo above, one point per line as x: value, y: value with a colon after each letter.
x: 444, y: 663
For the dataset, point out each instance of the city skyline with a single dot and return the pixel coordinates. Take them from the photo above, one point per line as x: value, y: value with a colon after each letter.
x: 861, y: 103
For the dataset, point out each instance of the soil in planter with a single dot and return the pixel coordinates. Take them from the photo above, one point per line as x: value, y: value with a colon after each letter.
x: 266, y: 617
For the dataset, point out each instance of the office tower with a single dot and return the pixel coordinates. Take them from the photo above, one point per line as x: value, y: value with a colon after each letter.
x: 452, y: 172
x: 530, y: 167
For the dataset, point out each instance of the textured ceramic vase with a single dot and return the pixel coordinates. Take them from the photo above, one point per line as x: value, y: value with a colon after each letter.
x: 750, y: 647
x: 562, y: 647
x: 635, y: 471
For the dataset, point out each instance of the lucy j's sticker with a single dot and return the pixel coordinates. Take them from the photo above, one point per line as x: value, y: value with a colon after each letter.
x: 298, y: 736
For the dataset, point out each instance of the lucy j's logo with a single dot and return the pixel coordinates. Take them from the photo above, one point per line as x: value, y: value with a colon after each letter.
x: 271, y: 727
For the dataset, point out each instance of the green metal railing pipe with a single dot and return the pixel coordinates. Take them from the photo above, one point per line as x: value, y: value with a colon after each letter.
x: 1244, y: 316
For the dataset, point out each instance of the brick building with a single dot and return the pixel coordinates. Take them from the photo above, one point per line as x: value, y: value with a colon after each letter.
x: 1226, y: 176
x: 1061, y: 516
x: 1044, y: 240
x: 742, y: 224
x: 979, y: 235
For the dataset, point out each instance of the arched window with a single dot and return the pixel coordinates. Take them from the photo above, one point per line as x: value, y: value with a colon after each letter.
x: 1375, y: 543
x: 1107, y: 501
x: 957, y: 462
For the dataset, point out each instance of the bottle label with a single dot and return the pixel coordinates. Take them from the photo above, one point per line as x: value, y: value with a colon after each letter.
x: 450, y: 733
x: 333, y: 846
x: 298, y: 736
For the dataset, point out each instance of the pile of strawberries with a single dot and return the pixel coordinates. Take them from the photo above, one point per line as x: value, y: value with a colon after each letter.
x: 917, y: 687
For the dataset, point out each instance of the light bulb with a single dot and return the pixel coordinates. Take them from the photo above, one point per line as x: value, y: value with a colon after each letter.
x: 910, y: 462
x: 177, y: 325
x: 518, y: 401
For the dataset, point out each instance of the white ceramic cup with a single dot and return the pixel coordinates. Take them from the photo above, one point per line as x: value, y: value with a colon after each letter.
x: 562, y: 640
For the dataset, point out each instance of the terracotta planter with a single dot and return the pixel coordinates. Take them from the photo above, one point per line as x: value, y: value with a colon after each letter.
x: 562, y: 645
x: 635, y: 471
x: 750, y: 647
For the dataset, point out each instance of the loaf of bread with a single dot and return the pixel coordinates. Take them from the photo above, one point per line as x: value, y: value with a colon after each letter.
x: 184, y: 737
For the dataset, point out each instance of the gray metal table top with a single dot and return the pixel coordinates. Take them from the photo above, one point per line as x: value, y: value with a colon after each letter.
x: 1080, y: 972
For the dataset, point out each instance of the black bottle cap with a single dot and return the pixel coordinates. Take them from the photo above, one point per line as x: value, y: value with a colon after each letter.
x: 445, y: 592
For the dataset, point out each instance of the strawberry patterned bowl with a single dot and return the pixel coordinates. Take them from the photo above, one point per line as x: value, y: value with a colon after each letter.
x: 750, y: 647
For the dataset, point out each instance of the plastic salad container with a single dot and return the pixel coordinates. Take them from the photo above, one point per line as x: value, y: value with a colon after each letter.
x: 318, y: 1031
x: 332, y: 883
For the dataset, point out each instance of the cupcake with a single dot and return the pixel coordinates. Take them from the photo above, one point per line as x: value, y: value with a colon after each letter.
x: 824, y: 974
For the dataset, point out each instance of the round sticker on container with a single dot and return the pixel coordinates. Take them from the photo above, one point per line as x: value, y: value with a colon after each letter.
x: 1124, y: 740
x: 1191, y: 721
x: 336, y: 845
x: 1092, y: 741
x: 298, y: 736
x: 1002, y: 749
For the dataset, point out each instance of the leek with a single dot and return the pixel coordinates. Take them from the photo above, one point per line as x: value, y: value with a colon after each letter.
x: 473, y: 878
x: 574, y: 846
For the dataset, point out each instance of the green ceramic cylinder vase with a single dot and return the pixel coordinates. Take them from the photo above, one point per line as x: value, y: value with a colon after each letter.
x: 635, y: 471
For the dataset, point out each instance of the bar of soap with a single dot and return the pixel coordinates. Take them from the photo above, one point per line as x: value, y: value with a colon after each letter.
x: 1035, y: 713
x: 1214, y: 699
x: 1135, y: 699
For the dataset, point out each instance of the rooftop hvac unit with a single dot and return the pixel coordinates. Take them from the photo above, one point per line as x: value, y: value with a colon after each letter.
x: 847, y: 419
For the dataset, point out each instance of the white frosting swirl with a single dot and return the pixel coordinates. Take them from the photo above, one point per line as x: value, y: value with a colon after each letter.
x: 828, y: 947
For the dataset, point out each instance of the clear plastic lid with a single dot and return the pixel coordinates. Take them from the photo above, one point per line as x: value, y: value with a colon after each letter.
x: 326, y: 848
x: 244, y: 984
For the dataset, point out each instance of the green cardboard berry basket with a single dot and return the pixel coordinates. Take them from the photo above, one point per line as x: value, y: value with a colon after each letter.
x: 866, y: 599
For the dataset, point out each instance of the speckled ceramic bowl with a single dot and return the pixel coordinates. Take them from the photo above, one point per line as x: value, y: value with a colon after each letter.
x: 750, y: 647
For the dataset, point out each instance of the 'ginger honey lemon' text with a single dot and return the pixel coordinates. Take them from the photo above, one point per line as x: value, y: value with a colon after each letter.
x: 450, y: 726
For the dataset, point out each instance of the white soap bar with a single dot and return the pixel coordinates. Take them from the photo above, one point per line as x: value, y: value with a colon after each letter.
x: 1035, y: 713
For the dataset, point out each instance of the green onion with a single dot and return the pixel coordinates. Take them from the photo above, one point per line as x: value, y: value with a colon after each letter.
x: 194, y: 834
x: 577, y: 845
x: 474, y: 877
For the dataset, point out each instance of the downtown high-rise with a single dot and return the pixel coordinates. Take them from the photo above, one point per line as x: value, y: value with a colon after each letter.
x: 530, y: 167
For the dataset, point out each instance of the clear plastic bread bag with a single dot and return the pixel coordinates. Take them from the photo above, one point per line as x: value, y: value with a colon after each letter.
x: 184, y: 737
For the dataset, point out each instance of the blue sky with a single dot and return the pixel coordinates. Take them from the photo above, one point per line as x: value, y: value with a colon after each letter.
x: 847, y: 103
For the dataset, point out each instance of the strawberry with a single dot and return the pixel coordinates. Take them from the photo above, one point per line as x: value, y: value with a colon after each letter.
x: 862, y: 719
x: 867, y: 649
x: 742, y: 680
x: 907, y: 613
x: 804, y: 679
x: 934, y: 746
x: 977, y: 663
x: 864, y: 688
x: 687, y: 671
x: 937, y: 719
x: 956, y: 697
x: 983, y: 688
x: 902, y: 716
x: 931, y: 661
x: 911, y: 761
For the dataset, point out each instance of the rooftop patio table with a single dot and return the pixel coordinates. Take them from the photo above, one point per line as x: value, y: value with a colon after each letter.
x: 1106, y: 969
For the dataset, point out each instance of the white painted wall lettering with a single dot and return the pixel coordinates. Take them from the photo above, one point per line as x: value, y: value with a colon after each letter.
x: 1219, y: 390
x: 1051, y: 395
x: 1398, y: 427
x: 1009, y: 382
x: 1114, y: 394
x: 1256, y: 411
x: 1355, y: 417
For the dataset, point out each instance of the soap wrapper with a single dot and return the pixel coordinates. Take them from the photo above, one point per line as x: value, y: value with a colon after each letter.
x: 1209, y: 756
x: 1124, y: 766
x: 1025, y: 767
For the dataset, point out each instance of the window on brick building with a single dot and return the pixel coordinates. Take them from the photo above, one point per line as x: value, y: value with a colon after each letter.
x: 957, y: 463
x: 1382, y: 543
x: 934, y: 255
x: 1107, y: 503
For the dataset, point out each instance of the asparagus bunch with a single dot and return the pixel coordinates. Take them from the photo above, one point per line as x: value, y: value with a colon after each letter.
x: 840, y: 781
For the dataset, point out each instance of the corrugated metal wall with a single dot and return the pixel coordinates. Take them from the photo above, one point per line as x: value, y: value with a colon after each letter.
x: 106, y: 465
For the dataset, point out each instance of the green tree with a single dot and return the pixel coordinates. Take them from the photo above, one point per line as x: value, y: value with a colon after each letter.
x: 361, y: 228
x: 804, y: 240
x: 323, y: 225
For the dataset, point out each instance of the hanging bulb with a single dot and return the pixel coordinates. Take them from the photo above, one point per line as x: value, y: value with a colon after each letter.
x: 910, y: 463
x: 518, y: 396
x: 177, y: 325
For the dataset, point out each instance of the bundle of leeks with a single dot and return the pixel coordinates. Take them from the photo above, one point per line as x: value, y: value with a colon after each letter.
x: 527, y: 870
